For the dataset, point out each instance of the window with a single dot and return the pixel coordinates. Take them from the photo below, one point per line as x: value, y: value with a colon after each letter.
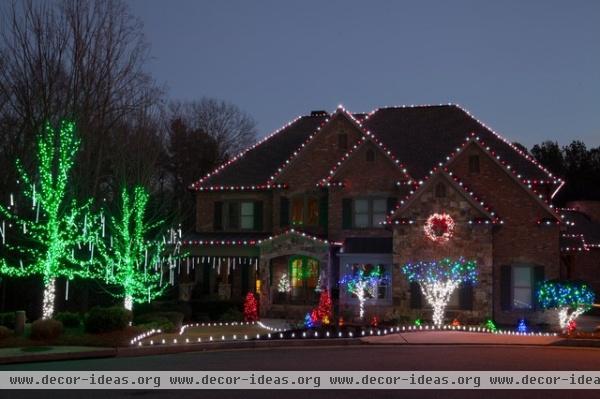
x: 361, y: 213
x: 474, y: 164
x: 298, y: 210
x: 383, y: 289
x: 522, y: 287
x: 312, y: 211
x: 343, y: 141
x: 370, y: 155
x: 305, y: 210
x: 304, y: 276
x: 239, y: 215
x: 440, y: 190
x: 369, y: 212
x: 247, y: 215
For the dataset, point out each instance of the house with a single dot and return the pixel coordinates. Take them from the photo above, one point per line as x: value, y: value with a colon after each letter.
x: 332, y: 192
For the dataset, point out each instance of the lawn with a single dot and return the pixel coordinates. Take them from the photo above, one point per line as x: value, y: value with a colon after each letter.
x: 74, y: 337
x: 205, y: 332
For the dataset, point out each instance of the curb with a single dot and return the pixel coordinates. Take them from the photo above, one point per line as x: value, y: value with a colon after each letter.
x: 50, y: 357
x: 581, y: 343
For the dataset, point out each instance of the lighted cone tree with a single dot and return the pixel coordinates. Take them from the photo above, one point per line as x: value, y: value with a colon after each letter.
x: 570, y: 299
x: 284, y: 286
x: 250, y: 308
x: 134, y: 255
x: 439, y: 279
x: 325, y: 308
x: 363, y: 284
x: 53, y: 238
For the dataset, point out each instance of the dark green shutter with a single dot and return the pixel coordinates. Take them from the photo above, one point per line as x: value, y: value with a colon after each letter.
x: 323, y: 210
x: 218, y: 216
x: 233, y: 215
x: 347, y: 213
x: 415, y: 296
x: 258, y: 215
x: 284, y: 212
x: 505, y: 287
x: 391, y: 204
x: 538, y: 278
x: 466, y: 296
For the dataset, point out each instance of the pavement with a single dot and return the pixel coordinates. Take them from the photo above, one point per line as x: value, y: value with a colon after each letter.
x: 459, y: 338
x: 333, y: 357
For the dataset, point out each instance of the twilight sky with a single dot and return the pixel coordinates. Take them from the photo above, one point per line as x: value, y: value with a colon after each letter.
x: 528, y: 69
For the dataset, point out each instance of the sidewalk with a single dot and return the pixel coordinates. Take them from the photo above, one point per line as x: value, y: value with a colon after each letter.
x: 458, y: 338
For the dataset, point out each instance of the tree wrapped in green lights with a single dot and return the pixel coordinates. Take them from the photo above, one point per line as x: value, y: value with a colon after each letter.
x: 439, y: 279
x: 363, y: 284
x: 134, y: 255
x: 55, y: 237
x: 570, y: 299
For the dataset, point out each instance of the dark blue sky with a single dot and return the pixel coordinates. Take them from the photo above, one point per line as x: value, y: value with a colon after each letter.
x: 529, y: 69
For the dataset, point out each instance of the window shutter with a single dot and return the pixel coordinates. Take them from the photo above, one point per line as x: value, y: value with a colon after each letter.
x: 505, y: 287
x: 391, y: 204
x: 347, y: 213
x: 233, y: 215
x: 466, y: 296
x: 415, y: 296
x: 218, y: 216
x: 538, y: 278
x: 258, y: 215
x: 323, y: 210
x: 284, y: 212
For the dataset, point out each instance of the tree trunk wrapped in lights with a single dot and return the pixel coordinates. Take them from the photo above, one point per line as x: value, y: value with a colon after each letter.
x: 132, y: 260
x: 570, y: 299
x: 363, y: 284
x: 439, y: 279
x: 55, y: 237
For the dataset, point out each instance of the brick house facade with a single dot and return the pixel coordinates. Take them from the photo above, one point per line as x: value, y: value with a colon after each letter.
x: 328, y: 193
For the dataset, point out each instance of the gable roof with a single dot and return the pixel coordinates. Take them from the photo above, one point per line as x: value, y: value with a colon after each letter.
x: 423, y: 136
x: 456, y: 184
x: 255, y: 165
x: 418, y: 136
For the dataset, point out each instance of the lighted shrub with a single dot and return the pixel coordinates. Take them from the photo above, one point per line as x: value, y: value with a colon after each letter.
x: 101, y: 320
x: 46, y: 329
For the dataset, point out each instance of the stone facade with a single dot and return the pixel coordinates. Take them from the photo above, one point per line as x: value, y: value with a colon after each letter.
x: 472, y: 242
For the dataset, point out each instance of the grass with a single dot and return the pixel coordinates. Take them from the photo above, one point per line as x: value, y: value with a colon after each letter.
x: 73, y: 337
x: 205, y: 332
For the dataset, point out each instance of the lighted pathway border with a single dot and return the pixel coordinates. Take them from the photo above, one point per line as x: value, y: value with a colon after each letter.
x: 328, y: 334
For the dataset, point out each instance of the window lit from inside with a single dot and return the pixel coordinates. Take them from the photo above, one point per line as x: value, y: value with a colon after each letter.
x: 304, y: 276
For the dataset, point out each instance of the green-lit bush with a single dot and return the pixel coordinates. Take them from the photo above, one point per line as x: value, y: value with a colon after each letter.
x: 46, y: 329
x: 101, y: 320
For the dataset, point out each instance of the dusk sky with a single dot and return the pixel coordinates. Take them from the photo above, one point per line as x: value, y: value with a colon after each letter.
x: 528, y: 69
